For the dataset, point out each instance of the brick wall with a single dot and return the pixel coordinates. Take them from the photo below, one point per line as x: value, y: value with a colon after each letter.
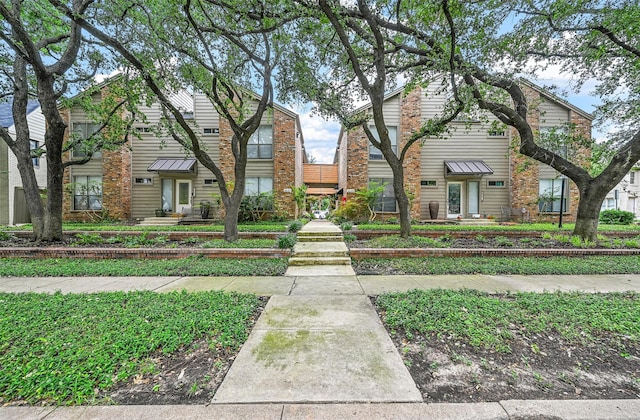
x: 357, y: 160
x: 284, y: 158
x: 410, y: 122
x: 116, y: 182
x: 525, y: 172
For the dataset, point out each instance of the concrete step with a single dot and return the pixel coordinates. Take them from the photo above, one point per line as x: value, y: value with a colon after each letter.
x: 302, y: 261
x: 476, y: 222
x: 160, y: 221
x: 320, y: 249
x: 332, y: 232
x: 313, y: 238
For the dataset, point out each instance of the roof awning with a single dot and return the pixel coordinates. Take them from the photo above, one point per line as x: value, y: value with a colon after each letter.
x: 320, y: 191
x: 182, y: 166
x: 466, y: 167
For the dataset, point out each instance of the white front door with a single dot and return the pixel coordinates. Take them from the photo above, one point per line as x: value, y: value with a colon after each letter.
x: 183, y: 196
x: 454, y: 199
x: 473, y: 197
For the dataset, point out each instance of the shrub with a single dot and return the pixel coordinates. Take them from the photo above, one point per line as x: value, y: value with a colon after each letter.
x: 354, y: 209
x: 346, y: 226
x: 5, y: 236
x: 295, y: 226
x: 287, y: 241
x: 88, y: 239
x: 349, y: 237
x: 616, y: 217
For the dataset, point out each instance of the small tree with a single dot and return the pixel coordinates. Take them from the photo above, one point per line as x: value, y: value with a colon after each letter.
x: 370, y: 196
x: 299, y: 196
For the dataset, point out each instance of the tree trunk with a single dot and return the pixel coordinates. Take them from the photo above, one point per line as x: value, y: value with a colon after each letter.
x: 401, y: 198
x: 231, y: 222
x: 55, y: 170
x: 589, y: 212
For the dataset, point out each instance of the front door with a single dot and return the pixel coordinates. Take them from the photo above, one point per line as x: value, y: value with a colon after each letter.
x: 183, y: 196
x: 473, y: 197
x: 454, y: 199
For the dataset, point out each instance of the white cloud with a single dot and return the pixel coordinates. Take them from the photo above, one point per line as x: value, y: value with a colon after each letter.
x: 320, y: 136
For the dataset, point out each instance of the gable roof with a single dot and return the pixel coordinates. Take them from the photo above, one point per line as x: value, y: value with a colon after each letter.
x: 558, y: 99
x: 6, y: 114
x: 528, y: 83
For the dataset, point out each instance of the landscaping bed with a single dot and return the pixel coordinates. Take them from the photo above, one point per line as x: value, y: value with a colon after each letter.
x: 466, y: 346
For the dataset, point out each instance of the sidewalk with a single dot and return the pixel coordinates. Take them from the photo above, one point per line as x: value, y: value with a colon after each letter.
x: 319, y: 350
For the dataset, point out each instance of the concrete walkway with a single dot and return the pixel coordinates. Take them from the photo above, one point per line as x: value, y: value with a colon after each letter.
x: 319, y: 350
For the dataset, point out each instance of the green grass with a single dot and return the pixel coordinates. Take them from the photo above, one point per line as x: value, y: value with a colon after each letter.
x: 62, y: 348
x: 502, y: 265
x: 525, y: 227
x: 90, y: 227
x: 410, y: 242
x: 490, y: 321
x: 191, y: 266
x: 240, y: 243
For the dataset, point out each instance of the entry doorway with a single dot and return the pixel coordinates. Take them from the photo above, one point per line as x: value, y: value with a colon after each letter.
x: 177, y: 195
x: 454, y: 199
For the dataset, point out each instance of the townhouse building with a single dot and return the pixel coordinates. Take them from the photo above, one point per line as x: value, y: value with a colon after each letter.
x: 152, y: 172
x: 475, y: 171
x: 13, y: 205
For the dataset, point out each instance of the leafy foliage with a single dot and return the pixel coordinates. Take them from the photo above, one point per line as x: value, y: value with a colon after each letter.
x: 287, y: 241
x: 63, y: 348
x: 616, y: 217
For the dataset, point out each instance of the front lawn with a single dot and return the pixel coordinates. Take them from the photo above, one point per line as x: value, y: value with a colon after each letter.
x: 500, y: 265
x: 70, y: 349
x: 191, y: 266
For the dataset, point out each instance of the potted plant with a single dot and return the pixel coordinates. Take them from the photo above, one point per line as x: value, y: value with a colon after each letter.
x: 159, y: 213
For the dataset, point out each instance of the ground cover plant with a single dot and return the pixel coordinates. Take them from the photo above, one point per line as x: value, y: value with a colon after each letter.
x: 546, y: 240
x: 89, y: 227
x: 463, y: 346
x: 75, y: 348
x: 614, y: 264
x: 566, y: 228
x: 191, y: 266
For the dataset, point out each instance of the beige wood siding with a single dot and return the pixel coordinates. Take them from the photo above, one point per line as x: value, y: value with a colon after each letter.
x: 552, y: 114
x: 466, y: 144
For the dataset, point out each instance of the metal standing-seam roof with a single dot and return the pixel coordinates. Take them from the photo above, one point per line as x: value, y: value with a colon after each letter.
x: 466, y: 167
x: 173, y: 165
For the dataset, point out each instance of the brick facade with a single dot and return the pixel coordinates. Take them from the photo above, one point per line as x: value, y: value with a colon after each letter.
x: 525, y: 171
x: 284, y: 158
x: 410, y: 123
x: 357, y: 160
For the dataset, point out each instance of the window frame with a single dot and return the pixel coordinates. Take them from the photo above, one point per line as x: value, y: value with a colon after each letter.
x: 76, y: 153
x: 489, y: 181
x: 34, y: 145
x: 394, y: 142
x: 81, y: 193
x: 387, y: 197
x: 555, y: 204
x: 262, y: 145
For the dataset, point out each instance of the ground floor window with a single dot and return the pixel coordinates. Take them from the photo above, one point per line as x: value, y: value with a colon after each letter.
x: 386, y: 202
x: 87, y: 192
x: 550, y: 197
x: 257, y: 186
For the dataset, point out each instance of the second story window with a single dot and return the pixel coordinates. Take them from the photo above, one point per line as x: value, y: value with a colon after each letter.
x: 261, y: 143
x: 374, y: 152
x: 632, y: 178
x: 83, y: 131
x: 554, y: 139
x: 34, y: 145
